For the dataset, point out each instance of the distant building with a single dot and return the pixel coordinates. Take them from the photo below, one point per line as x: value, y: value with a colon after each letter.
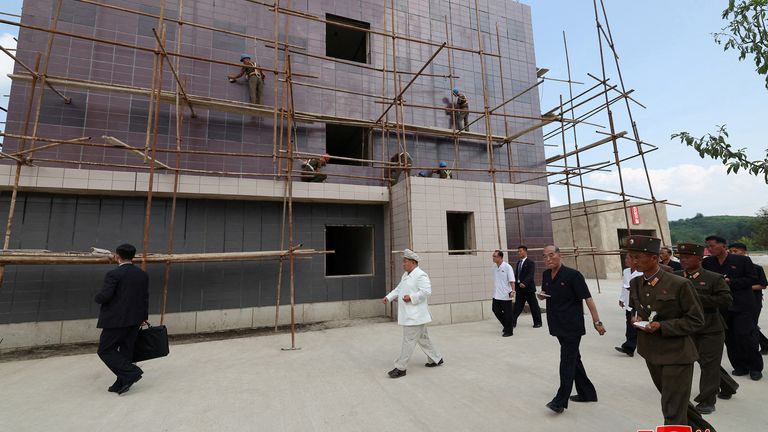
x: 608, y: 227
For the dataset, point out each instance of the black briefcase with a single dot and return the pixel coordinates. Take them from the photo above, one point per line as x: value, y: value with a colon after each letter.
x: 151, y: 343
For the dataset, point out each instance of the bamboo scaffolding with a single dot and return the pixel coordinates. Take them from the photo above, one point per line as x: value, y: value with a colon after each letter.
x: 8, y: 257
x: 290, y: 117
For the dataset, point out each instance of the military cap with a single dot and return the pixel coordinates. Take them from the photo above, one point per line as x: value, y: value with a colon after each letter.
x: 411, y: 255
x: 690, y: 249
x: 641, y: 243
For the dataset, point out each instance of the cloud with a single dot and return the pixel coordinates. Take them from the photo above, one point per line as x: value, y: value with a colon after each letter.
x: 6, y: 64
x: 705, y: 189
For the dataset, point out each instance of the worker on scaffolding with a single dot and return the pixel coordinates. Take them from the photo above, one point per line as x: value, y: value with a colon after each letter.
x: 253, y: 75
x: 311, y: 169
x: 462, y: 105
x: 443, y: 172
x: 403, y: 163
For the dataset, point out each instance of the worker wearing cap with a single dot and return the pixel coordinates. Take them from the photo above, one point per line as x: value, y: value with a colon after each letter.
x: 672, y: 314
x: 310, y: 169
x: 253, y: 75
x: 462, y: 104
x: 714, y: 295
x: 442, y: 171
x: 413, y: 314
x: 402, y: 163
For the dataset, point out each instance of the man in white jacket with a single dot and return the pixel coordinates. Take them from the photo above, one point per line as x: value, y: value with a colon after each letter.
x: 413, y: 314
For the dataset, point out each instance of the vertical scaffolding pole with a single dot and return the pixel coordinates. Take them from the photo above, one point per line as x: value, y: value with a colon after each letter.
x: 578, y: 164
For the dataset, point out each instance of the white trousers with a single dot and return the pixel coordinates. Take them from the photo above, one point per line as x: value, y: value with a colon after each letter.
x: 413, y: 335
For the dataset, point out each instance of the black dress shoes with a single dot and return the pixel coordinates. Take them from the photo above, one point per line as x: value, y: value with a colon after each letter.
x: 755, y: 375
x: 127, y: 385
x: 506, y: 334
x: 703, y: 408
x: 580, y: 398
x: 724, y: 396
x: 116, y: 386
x: 536, y: 325
x: 625, y: 351
x: 433, y: 364
x: 555, y: 408
x: 396, y: 373
x: 739, y: 372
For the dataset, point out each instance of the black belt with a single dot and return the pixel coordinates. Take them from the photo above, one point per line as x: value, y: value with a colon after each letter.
x: 711, y: 310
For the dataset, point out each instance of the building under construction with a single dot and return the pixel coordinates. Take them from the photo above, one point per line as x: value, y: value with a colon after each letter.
x: 123, y: 127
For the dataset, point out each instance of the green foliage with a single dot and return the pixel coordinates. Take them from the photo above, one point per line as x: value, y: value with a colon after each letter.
x: 747, y: 32
x: 717, y: 148
x: 760, y: 228
x: 697, y: 228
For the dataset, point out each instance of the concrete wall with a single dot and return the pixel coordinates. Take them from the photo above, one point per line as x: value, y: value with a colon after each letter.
x: 66, y: 222
x: 604, y: 228
x: 455, y: 278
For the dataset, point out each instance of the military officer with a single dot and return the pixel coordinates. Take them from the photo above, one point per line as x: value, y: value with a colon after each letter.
x: 668, y: 313
x: 713, y: 294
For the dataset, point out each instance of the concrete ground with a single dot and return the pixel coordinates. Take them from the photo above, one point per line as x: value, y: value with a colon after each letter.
x: 338, y: 382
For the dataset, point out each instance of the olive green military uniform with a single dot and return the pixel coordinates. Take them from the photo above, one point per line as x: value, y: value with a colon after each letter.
x: 311, y: 171
x: 669, y: 352
x: 713, y: 294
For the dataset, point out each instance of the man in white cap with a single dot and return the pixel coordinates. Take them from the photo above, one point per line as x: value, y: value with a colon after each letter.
x: 413, y: 314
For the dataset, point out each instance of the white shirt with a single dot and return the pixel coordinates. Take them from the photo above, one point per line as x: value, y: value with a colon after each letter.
x: 627, y: 275
x: 502, y: 276
x: 417, y: 285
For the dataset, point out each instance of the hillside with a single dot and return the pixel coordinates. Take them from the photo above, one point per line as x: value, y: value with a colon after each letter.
x: 699, y: 227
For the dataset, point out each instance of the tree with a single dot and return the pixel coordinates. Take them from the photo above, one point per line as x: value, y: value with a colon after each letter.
x: 760, y: 228
x: 746, y: 32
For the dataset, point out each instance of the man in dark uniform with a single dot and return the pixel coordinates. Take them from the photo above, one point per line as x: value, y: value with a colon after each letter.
x: 665, y: 258
x: 668, y: 312
x: 757, y: 289
x: 714, y: 294
x: 741, y: 340
x: 566, y: 291
x: 311, y: 169
x: 124, y: 301
x: 525, y: 269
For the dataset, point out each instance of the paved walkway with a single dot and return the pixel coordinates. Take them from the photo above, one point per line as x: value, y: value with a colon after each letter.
x: 338, y: 382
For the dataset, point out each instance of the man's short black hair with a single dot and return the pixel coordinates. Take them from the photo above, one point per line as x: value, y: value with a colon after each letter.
x: 126, y: 251
x: 523, y: 247
x: 499, y: 253
x: 716, y: 238
x: 738, y: 245
x: 668, y: 249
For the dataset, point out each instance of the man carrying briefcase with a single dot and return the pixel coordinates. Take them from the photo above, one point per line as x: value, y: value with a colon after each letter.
x: 124, y: 301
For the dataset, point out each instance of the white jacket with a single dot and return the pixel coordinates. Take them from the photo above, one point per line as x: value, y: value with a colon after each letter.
x: 417, y: 285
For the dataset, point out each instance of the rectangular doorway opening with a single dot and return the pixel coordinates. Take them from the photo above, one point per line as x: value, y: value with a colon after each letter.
x: 353, y: 250
x: 461, y: 233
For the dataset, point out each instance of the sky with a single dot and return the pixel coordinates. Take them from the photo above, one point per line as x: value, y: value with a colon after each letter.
x: 668, y: 56
x: 687, y: 82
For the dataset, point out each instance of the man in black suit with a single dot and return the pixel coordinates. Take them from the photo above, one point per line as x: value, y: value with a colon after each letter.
x: 741, y: 334
x: 526, y: 288
x: 124, y: 301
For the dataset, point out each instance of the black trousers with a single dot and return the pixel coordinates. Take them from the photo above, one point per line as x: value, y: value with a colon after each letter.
x: 763, y: 341
x: 116, y: 351
x: 631, y: 335
x: 503, y: 311
x: 522, y: 296
x: 742, y: 341
x: 572, y: 372
x: 728, y: 385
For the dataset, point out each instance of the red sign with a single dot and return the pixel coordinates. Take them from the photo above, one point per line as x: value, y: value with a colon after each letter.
x: 673, y: 428
x: 635, y: 212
